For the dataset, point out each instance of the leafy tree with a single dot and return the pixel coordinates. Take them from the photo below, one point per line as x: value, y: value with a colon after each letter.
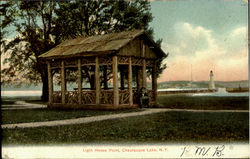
x: 33, y: 23
x: 98, y: 17
x: 43, y: 24
x: 6, y: 17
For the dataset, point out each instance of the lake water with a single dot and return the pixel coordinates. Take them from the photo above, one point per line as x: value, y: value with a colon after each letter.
x: 222, y: 92
x: 21, y: 93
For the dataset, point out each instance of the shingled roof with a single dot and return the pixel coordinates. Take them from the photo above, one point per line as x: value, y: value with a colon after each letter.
x: 98, y: 45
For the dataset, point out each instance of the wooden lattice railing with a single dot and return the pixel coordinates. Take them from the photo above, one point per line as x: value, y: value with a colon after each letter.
x: 106, y: 97
x: 71, y: 97
x: 88, y: 97
x: 123, y: 97
x: 57, y: 97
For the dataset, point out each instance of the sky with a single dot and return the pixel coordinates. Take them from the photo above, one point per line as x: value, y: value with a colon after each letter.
x: 202, y: 35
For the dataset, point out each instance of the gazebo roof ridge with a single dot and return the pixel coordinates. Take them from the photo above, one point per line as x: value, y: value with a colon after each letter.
x: 137, y: 33
x: 97, y: 45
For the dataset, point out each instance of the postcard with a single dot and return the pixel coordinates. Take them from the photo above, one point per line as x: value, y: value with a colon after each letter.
x: 125, y: 79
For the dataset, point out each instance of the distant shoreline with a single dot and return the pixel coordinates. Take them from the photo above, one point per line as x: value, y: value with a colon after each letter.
x: 202, y: 91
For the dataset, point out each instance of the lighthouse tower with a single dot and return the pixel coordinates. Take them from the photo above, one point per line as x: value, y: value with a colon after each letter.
x: 211, y: 85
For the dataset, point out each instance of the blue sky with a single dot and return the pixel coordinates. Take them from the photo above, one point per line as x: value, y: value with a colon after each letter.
x: 207, y: 34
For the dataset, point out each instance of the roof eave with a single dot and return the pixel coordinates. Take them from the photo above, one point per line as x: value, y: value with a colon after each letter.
x: 163, y: 54
x: 82, y: 54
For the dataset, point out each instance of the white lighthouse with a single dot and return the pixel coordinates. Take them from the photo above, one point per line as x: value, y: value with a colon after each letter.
x: 211, y: 85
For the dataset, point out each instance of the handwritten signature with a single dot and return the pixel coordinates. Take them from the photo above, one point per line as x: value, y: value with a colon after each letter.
x: 202, y: 151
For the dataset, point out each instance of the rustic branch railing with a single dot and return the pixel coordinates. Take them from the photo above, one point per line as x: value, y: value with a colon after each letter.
x: 71, y: 97
x: 123, y: 60
x: 123, y: 97
x: 106, y: 60
x: 106, y: 97
x: 137, y: 61
x: 57, y: 97
x: 88, y: 97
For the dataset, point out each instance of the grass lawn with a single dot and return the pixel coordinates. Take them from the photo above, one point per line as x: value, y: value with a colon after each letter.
x: 44, y: 114
x: 203, y: 102
x: 157, y: 128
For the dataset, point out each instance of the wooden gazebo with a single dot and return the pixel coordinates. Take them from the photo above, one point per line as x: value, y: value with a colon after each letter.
x: 128, y: 54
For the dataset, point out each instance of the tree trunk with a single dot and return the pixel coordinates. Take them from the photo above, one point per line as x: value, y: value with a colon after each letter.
x: 45, y: 90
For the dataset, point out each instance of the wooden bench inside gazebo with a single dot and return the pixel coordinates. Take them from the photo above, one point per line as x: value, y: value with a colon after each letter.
x: 129, y: 56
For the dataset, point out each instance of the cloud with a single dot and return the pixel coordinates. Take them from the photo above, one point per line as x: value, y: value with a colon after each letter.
x: 237, y: 39
x: 202, y: 48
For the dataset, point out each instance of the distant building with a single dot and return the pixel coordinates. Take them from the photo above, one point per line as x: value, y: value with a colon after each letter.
x: 211, y: 85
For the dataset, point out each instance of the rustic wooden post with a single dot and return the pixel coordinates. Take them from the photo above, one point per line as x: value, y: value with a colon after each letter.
x: 50, y: 78
x: 115, y: 81
x: 97, y: 81
x: 143, y: 67
x: 63, y: 82
x: 154, y: 82
x: 79, y: 81
x: 130, y: 82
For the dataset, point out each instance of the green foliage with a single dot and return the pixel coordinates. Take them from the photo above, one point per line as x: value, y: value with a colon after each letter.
x: 43, y: 24
x: 101, y: 17
x: 32, y: 22
x: 7, y: 17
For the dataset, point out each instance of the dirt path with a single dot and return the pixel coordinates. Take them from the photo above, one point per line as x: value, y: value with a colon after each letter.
x: 102, y: 117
